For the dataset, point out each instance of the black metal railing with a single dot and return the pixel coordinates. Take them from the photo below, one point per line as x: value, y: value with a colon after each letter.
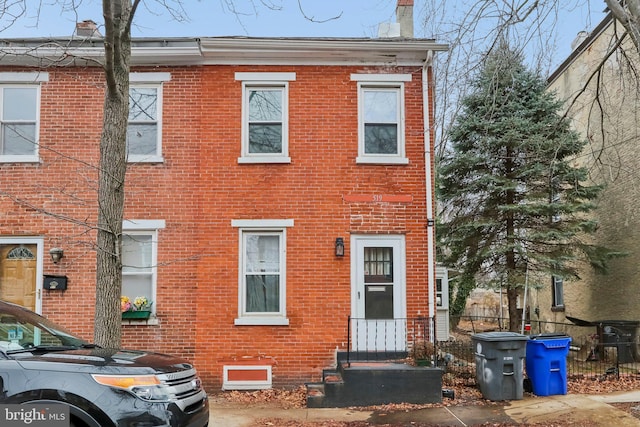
x: 386, y: 339
x: 597, y: 351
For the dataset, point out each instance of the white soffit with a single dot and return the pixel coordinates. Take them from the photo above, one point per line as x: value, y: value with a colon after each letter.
x: 226, y: 51
x: 317, y: 51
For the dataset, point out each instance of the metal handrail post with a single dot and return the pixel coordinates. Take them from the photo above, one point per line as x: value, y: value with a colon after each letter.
x: 349, y: 341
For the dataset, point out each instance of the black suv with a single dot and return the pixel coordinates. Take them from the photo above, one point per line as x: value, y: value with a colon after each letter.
x: 42, y: 363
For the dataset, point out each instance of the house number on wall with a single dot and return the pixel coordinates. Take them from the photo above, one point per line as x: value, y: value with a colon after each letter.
x: 389, y: 198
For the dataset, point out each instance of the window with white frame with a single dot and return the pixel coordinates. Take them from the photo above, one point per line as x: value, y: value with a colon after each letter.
x: 139, y: 259
x: 262, y: 272
x: 265, y: 117
x: 557, y: 292
x: 381, y: 133
x: 144, y: 129
x: 20, y: 115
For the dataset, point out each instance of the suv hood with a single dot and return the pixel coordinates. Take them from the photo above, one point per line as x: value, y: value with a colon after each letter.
x: 100, y: 360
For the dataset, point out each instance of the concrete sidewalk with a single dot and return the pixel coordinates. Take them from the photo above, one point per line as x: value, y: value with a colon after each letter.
x: 571, y: 408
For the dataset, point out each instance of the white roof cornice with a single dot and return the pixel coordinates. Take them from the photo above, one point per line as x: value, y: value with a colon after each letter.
x: 223, y: 50
x: 317, y: 51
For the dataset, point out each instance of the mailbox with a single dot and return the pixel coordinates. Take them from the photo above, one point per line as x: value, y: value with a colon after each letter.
x: 55, y: 283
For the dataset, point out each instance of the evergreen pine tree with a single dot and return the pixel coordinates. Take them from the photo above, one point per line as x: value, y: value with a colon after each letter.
x: 514, y: 201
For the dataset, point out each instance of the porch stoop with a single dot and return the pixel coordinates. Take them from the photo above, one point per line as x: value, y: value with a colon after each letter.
x: 375, y: 383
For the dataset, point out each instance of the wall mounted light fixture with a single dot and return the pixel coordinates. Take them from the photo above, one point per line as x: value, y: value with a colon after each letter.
x: 339, y: 246
x: 56, y: 254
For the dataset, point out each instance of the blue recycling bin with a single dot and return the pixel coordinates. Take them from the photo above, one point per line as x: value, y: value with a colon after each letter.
x: 546, y: 363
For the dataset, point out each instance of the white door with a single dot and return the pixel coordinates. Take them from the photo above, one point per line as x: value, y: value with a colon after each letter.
x: 378, y: 293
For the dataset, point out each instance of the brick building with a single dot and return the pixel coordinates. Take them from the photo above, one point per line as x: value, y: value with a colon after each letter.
x: 599, y: 87
x: 252, y: 162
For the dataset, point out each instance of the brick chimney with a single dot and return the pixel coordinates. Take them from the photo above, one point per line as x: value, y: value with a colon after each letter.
x: 404, y: 17
x: 87, y: 28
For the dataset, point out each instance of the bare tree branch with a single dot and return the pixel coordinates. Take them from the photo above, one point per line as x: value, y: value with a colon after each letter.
x: 628, y: 13
x: 312, y: 19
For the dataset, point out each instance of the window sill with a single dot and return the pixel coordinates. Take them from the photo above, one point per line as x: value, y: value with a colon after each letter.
x: 557, y: 308
x: 152, y: 321
x: 19, y: 159
x: 263, y: 159
x: 261, y: 321
x: 145, y: 159
x: 382, y: 160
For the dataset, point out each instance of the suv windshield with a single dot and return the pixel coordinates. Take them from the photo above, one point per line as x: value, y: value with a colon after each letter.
x: 22, y: 330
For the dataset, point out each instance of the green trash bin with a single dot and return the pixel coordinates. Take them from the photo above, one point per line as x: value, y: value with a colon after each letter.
x: 499, y: 360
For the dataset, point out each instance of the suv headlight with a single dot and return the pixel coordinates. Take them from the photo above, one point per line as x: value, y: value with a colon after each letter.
x: 146, y: 387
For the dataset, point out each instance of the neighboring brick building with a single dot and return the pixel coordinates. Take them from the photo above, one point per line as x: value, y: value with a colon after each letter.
x: 246, y: 156
x: 604, y: 106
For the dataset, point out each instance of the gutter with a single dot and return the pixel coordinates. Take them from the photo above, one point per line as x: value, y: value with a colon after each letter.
x: 428, y: 164
x: 223, y: 50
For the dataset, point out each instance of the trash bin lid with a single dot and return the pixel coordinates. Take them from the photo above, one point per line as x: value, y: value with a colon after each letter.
x: 617, y: 322
x: 499, y: 336
x: 547, y: 336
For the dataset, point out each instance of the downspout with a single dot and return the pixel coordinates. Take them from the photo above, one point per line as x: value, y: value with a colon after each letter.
x: 428, y: 158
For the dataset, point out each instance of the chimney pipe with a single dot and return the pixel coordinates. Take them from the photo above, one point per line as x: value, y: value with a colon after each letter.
x: 87, y: 28
x: 404, y: 17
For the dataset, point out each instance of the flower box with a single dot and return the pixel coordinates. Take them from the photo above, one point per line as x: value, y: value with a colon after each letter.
x: 140, y: 314
x: 139, y: 308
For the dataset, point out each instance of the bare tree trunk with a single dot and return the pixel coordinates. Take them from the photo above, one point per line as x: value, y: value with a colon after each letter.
x: 107, y: 328
x: 510, y: 256
x: 113, y: 167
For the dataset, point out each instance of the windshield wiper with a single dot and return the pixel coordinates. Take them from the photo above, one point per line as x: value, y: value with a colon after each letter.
x: 89, y: 345
x: 47, y: 348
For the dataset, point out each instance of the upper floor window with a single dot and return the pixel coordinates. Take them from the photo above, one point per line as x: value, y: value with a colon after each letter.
x: 20, y: 115
x: 265, y: 117
x: 139, y: 259
x: 144, y: 131
x: 381, y: 135
x: 262, y: 290
x: 557, y: 292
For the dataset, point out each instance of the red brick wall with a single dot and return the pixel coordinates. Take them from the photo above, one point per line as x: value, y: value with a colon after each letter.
x: 323, y: 148
x: 200, y: 188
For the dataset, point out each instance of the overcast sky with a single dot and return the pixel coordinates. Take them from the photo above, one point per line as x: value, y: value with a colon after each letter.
x: 342, y: 18
x: 353, y: 18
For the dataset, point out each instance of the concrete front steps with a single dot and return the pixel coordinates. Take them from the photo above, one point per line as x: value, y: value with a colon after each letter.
x: 375, y: 383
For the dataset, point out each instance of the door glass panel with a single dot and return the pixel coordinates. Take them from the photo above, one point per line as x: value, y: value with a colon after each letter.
x: 378, y: 282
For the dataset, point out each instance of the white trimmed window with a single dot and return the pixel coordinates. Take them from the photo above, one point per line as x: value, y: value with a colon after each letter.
x: 20, y: 116
x: 144, y: 130
x: 381, y: 118
x: 140, y: 259
x: 262, y: 272
x: 265, y: 117
x: 557, y: 292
